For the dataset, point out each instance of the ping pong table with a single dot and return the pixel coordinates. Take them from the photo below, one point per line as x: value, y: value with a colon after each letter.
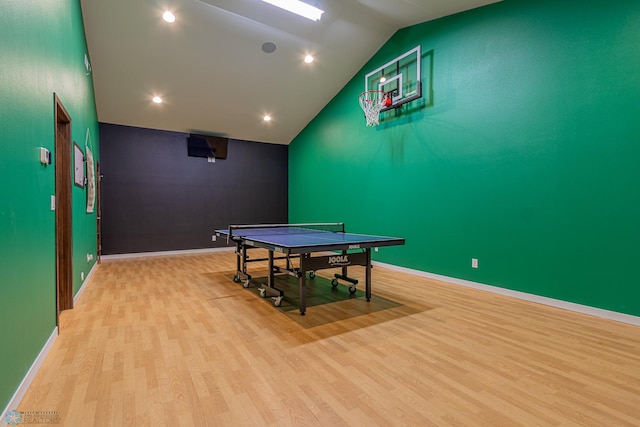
x: 332, y: 246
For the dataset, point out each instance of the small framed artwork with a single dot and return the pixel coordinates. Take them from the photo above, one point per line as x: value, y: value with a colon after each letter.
x: 91, y: 181
x: 78, y: 166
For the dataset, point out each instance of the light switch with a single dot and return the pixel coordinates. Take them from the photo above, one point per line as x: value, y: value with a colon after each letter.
x: 53, y: 203
x: 45, y: 156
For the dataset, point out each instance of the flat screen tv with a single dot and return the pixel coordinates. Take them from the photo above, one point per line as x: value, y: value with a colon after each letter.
x: 207, y: 146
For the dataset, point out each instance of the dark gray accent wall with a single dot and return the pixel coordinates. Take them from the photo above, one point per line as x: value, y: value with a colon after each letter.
x: 155, y: 197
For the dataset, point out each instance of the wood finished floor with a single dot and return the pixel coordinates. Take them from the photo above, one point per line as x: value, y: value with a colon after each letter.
x: 173, y: 341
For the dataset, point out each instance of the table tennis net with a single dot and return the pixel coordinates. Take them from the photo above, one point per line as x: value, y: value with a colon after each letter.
x: 285, y: 229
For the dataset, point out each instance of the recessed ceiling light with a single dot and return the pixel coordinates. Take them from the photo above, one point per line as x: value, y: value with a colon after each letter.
x: 168, y: 16
x: 157, y: 99
x: 266, y: 118
x: 308, y: 59
x: 298, y: 7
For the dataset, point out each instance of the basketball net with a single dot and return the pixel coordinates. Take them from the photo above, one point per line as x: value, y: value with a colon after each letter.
x: 372, y: 101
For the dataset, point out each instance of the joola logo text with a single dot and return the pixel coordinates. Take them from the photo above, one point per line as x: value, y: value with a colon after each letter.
x: 339, y: 260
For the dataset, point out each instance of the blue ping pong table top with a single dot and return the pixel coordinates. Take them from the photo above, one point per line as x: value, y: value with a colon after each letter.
x: 299, y: 241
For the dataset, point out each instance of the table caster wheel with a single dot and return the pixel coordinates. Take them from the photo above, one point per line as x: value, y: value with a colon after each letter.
x: 312, y: 274
x: 263, y: 293
x: 277, y: 301
x: 245, y: 283
x: 352, y: 290
x: 334, y: 283
x: 236, y: 278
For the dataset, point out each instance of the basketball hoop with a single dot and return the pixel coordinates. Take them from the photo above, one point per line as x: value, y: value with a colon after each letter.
x: 372, y: 101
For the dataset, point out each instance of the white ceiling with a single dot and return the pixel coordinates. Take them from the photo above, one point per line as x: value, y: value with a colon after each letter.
x: 210, y: 69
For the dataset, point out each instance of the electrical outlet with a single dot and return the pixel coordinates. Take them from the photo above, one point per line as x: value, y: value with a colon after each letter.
x: 375, y: 249
x: 213, y: 238
x: 82, y: 275
x: 474, y: 262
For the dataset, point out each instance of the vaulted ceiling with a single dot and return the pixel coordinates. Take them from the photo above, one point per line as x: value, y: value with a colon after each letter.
x: 212, y: 72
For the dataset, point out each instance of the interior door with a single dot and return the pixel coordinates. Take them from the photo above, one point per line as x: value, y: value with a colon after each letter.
x: 63, y: 166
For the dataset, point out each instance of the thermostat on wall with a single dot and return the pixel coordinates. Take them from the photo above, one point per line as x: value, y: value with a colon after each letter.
x: 45, y: 156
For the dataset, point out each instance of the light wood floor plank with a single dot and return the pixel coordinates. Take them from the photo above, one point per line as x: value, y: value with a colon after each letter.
x: 173, y: 340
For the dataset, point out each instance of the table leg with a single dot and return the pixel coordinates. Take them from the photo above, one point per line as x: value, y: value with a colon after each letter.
x: 303, y: 292
x: 368, y: 275
x: 270, y: 288
x: 344, y: 269
x: 271, y: 280
x: 238, y: 255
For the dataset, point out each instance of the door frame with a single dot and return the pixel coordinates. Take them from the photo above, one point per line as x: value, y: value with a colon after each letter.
x: 63, y: 208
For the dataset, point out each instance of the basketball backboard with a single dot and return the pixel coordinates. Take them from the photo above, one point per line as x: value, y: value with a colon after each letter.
x: 400, y: 78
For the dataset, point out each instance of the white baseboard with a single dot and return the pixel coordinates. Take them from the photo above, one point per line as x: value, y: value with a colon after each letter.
x: 86, y: 280
x: 28, y: 379
x: 166, y: 253
x: 579, y: 308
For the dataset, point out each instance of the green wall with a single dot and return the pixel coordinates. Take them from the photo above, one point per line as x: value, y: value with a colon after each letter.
x: 42, y: 48
x: 527, y: 159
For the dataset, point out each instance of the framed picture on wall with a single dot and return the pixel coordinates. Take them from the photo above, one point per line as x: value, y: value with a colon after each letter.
x: 91, y: 182
x: 78, y: 166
